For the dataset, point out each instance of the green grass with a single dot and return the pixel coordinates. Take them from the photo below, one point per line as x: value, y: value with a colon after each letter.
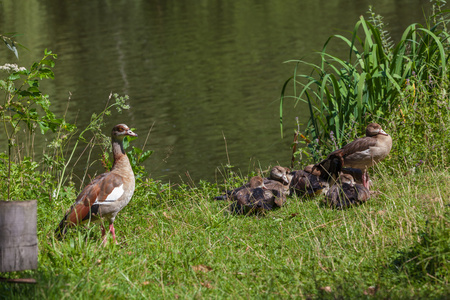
x: 178, y: 242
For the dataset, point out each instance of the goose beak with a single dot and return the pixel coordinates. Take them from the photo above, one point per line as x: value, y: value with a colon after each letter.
x: 285, y: 180
x: 382, y: 132
x: 131, y: 133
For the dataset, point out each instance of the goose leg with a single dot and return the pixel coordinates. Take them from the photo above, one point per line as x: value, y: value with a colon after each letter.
x: 113, y: 231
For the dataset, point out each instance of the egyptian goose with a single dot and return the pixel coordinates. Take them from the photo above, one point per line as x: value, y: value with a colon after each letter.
x: 107, y: 194
x: 364, y: 152
x: 357, y: 175
x: 314, y: 180
x: 277, y: 173
x: 258, y: 198
x: 346, y: 192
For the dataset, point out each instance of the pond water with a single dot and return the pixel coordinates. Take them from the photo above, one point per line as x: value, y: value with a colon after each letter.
x: 196, y: 71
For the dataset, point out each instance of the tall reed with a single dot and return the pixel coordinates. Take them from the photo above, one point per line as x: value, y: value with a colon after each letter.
x: 345, y: 94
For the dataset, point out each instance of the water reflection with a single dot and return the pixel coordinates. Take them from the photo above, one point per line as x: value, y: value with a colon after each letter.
x: 195, y: 70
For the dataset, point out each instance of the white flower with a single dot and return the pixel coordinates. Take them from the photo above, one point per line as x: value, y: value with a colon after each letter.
x: 12, y: 67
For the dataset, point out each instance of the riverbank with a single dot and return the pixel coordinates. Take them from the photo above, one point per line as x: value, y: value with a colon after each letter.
x: 175, y: 241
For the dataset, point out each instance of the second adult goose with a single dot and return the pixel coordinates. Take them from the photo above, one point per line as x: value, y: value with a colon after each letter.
x: 364, y: 152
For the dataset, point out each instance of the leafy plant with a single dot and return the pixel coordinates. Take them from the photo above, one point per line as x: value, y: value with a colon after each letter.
x: 24, y: 103
x: 344, y: 95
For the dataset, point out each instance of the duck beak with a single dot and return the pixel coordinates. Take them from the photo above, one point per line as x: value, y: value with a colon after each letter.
x: 285, y: 180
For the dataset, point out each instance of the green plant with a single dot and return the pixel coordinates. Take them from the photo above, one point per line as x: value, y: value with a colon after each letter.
x: 344, y: 95
x: 420, y: 124
x: 24, y: 103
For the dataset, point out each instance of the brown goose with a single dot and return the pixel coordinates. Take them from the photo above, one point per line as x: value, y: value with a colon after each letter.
x: 345, y: 192
x: 277, y: 173
x: 107, y: 194
x: 364, y: 152
x: 257, y: 197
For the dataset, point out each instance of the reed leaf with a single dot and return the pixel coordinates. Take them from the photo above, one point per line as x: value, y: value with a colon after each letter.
x: 343, y: 94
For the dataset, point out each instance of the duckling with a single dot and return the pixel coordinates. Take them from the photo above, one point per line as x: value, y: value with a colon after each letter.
x: 280, y: 174
x: 277, y: 174
x: 305, y: 183
x: 258, y: 197
x: 315, y: 179
x: 346, y: 192
x: 364, y: 152
x: 357, y: 175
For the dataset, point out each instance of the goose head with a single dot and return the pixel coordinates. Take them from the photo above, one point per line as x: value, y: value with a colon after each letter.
x: 120, y: 131
x: 374, y: 129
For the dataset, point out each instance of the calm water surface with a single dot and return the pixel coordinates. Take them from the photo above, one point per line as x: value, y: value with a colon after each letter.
x: 197, y: 71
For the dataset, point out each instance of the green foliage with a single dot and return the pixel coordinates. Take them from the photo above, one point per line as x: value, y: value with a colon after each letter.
x: 25, y: 103
x: 26, y: 182
x: 430, y: 257
x: 174, y: 241
x: 420, y: 123
x: 344, y: 95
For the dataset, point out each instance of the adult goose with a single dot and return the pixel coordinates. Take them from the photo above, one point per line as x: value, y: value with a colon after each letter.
x: 257, y: 197
x: 278, y: 174
x: 107, y: 194
x: 346, y: 192
x: 364, y: 152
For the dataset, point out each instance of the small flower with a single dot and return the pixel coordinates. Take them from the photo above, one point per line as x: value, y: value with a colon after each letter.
x: 12, y: 67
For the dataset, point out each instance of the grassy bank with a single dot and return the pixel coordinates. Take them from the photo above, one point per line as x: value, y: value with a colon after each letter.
x: 177, y: 242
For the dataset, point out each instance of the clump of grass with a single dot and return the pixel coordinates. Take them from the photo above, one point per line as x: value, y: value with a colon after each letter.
x: 345, y: 94
x: 430, y: 255
x: 175, y: 241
